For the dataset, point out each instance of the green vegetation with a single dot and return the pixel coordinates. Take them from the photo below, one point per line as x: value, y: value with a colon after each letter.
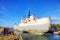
x: 57, y: 26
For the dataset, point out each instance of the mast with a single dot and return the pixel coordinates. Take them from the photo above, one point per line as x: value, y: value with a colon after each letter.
x: 29, y: 14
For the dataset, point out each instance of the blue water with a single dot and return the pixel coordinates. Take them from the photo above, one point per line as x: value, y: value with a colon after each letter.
x: 53, y: 36
x: 48, y: 36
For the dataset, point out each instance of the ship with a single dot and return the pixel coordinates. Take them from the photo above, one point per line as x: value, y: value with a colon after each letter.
x: 33, y: 25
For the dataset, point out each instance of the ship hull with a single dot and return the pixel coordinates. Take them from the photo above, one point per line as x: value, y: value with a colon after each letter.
x: 40, y: 26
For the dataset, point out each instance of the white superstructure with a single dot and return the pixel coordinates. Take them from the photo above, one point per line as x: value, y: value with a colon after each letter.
x: 41, y: 25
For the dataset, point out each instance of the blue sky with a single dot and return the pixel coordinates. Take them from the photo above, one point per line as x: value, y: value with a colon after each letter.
x: 11, y: 11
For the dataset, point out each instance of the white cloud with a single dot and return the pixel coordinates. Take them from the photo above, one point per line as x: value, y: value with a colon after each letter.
x: 55, y: 18
x: 1, y: 14
x: 4, y: 9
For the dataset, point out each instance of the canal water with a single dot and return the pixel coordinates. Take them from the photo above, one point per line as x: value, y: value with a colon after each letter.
x: 47, y: 36
x: 53, y: 36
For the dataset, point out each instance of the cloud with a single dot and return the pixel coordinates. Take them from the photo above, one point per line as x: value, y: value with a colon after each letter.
x: 1, y: 14
x: 55, y: 18
x: 3, y: 9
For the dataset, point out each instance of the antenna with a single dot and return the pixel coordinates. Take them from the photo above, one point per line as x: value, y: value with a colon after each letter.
x: 29, y: 14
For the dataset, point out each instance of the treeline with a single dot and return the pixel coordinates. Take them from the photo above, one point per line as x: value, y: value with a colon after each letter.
x: 56, y: 26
